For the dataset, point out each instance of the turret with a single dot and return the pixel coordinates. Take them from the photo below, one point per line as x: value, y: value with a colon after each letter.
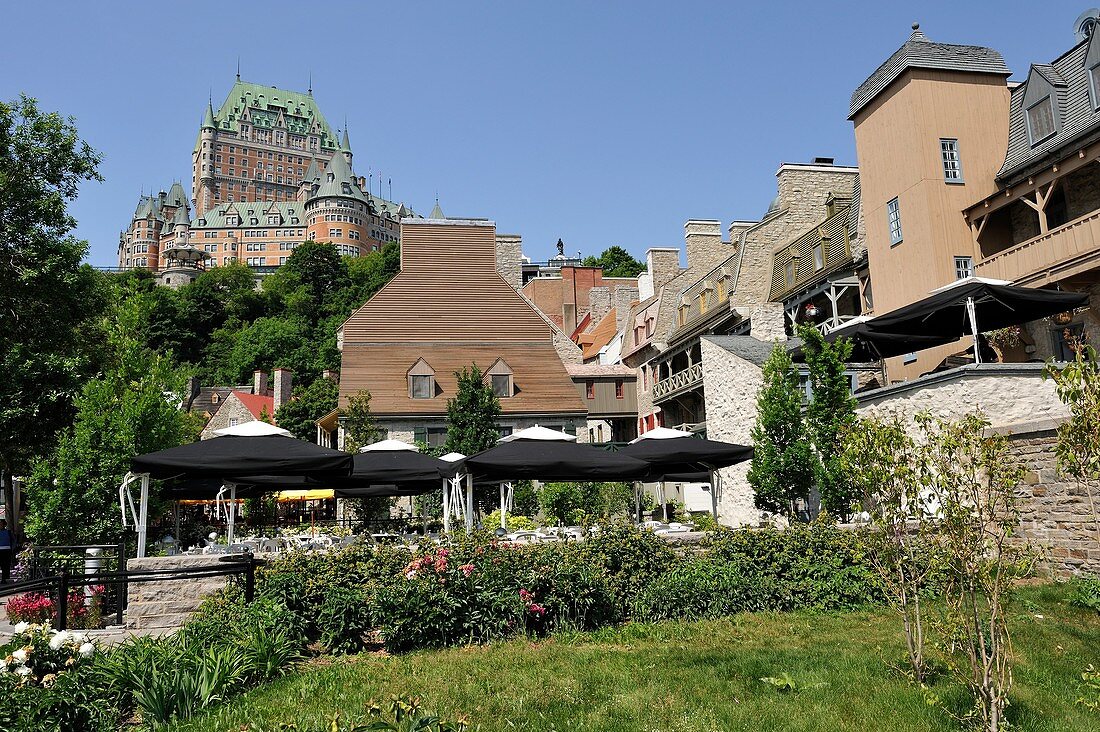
x: 345, y: 145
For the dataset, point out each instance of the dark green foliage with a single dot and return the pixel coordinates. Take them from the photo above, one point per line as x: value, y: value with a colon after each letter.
x: 344, y: 618
x: 616, y: 262
x: 574, y: 593
x: 1086, y: 592
x: 576, y: 503
x: 704, y: 588
x: 308, y: 404
x: 629, y: 558
x: 49, y: 301
x: 472, y: 414
x: 360, y: 427
x: 820, y: 566
x: 77, y: 702
x: 783, y: 462
x: 830, y: 412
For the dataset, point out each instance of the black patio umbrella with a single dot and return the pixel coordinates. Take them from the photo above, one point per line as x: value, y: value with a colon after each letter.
x: 552, y: 460
x: 959, y: 310
x: 237, y: 457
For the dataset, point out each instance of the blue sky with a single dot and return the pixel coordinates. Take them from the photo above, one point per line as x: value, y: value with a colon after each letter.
x: 600, y: 123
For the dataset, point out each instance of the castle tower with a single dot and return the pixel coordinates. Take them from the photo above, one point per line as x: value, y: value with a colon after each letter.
x: 338, y: 209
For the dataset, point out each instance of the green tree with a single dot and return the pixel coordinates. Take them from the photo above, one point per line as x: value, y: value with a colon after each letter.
x: 131, y: 409
x: 1078, y: 386
x: 307, y: 405
x: 472, y: 417
x: 49, y: 301
x: 361, y: 429
x: 782, y: 466
x: 831, y: 410
x: 616, y: 262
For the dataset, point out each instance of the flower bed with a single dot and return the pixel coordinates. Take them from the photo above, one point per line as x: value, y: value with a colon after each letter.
x: 36, y: 607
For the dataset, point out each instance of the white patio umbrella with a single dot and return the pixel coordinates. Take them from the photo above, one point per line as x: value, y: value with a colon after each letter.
x: 452, y: 493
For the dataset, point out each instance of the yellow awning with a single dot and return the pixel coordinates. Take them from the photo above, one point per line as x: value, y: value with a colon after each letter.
x: 304, y: 495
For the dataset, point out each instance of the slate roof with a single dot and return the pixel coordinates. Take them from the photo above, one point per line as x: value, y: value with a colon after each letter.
x: 1076, y: 115
x: 920, y: 53
x: 746, y: 347
x: 252, y: 214
x: 265, y: 105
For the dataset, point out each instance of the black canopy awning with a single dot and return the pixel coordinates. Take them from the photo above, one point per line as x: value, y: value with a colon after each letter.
x: 679, y: 455
x: 943, y: 318
x: 235, y: 457
x: 552, y: 460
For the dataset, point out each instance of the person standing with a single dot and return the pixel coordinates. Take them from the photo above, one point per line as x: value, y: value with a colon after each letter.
x: 7, y: 545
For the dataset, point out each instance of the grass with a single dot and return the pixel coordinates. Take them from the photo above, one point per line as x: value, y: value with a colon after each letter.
x: 705, y: 676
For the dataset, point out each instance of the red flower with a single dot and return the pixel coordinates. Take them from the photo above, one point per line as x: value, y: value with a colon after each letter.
x: 467, y: 569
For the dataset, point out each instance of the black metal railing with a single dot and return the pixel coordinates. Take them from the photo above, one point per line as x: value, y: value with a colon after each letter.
x: 59, y: 586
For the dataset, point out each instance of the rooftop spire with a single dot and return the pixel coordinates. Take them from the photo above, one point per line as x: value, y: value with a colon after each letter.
x: 238, y: 68
x: 345, y: 143
x: 437, y: 212
x: 208, y: 118
x: 309, y: 90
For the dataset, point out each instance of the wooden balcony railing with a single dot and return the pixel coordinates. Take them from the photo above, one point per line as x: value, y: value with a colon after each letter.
x: 1063, y: 252
x: 681, y: 381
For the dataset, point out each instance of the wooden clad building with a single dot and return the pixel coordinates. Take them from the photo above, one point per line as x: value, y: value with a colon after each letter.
x: 447, y: 309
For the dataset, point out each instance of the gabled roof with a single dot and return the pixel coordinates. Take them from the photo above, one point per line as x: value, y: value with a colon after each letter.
x: 920, y: 53
x: 267, y: 107
x: 339, y: 181
x: 292, y: 213
x: 256, y: 404
x: 601, y: 335
x: 1076, y: 116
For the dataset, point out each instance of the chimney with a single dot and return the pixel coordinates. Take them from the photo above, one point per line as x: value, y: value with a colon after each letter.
x: 705, y: 249
x: 662, y: 264
x: 599, y: 303
x: 284, y: 379
x: 192, y: 391
x: 623, y: 298
x: 259, y: 382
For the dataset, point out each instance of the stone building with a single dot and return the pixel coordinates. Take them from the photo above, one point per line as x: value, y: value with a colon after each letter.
x: 268, y: 173
x: 228, y: 406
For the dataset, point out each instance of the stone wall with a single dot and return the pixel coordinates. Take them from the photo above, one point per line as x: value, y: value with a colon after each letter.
x: 731, y: 385
x: 167, y: 604
x: 705, y: 249
x: 1006, y: 393
x: 624, y: 297
x: 1057, y: 514
x: 232, y: 408
x: 768, y: 322
x: 663, y: 264
x: 510, y: 258
x: 599, y: 304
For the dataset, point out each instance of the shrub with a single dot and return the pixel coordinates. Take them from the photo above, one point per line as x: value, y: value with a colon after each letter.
x: 561, y: 590
x: 344, y: 619
x: 39, y: 608
x: 437, y: 601
x: 629, y: 558
x: 47, y: 682
x: 704, y: 588
x: 1085, y: 592
x: 820, y: 565
x: 514, y: 522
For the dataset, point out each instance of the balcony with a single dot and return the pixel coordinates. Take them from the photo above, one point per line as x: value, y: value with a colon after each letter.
x: 679, y: 382
x: 1060, y: 254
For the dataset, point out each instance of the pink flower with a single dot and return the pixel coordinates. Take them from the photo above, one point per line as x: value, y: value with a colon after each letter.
x: 443, y: 553
x: 525, y: 595
x: 536, y: 609
x: 441, y: 565
x: 467, y: 569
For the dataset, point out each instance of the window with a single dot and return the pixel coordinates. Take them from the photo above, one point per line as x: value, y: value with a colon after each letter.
x: 1040, y: 120
x: 502, y: 385
x: 1066, y: 339
x: 964, y: 267
x: 788, y: 272
x: 952, y: 165
x: 590, y: 389
x: 618, y: 388
x: 1094, y: 82
x: 432, y: 436
x: 233, y: 421
x: 893, y: 217
x: 819, y: 257
x: 420, y: 386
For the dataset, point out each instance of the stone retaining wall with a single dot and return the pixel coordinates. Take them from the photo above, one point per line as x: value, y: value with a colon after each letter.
x: 168, y: 603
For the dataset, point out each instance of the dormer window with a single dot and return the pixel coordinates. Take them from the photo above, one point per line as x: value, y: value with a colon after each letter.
x: 499, y: 376
x: 1094, y: 84
x: 1040, y: 120
x: 421, y: 380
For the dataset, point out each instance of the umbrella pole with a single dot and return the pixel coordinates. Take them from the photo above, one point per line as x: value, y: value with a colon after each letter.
x: 973, y: 328
x: 231, y: 513
x: 503, y: 507
x: 664, y: 501
x: 714, y: 494
x: 638, y: 501
x: 446, y: 506
x: 469, y: 503
x: 143, y: 517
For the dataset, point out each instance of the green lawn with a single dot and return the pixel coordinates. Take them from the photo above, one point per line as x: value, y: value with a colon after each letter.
x: 694, y: 676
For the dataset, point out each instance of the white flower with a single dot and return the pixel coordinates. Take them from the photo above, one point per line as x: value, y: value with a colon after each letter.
x: 87, y: 649
x: 19, y: 655
x: 78, y: 638
x: 23, y: 671
x: 20, y: 627
x: 59, y: 639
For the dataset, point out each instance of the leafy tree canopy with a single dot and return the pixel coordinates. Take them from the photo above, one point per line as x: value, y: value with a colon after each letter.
x: 616, y: 262
x: 307, y: 405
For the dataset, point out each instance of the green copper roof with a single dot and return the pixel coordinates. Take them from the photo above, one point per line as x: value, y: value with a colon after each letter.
x: 345, y: 144
x: 176, y: 196
x: 208, y: 118
x: 266, y: 103
x: 338, y: 180
x: 251, y: 214
x: 181, y: 216
x: 437, y: 212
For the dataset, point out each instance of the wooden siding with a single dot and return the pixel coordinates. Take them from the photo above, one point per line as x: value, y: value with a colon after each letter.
x: 449, y: 307
x: 606, y: 404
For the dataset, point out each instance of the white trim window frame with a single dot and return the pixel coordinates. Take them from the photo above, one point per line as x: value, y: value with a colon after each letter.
x: 893, y: 221
x: 951, y: 160
x: 1049, y: 102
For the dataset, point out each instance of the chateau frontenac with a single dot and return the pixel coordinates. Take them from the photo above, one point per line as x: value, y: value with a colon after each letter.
x: 268, y: 173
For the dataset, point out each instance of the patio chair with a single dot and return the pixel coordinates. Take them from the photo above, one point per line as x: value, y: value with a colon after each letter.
x: 270, y: 545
